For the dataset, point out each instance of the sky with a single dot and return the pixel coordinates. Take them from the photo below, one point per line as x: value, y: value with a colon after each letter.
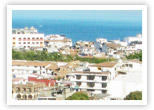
x: 109, y: 15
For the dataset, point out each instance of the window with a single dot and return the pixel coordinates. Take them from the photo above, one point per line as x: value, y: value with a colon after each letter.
x: 14, y: 38
x: 33, y: 42
x: 23, y: 32
x: 24, y: 38
x: 35, y: 66
x: 78, y: 76
x: 33, y: 38
x: 28, y: 38
x: 19, y: 42
x: 90, y: 84
x: 41, y: 42
x: 78, y: 83
x: 19, y: 38
x: 104, y: 91
x: 41, y: 38
x: 29, y: 90
x: 24, y: 89
x: 90, y: 77
x: 99, y: 68
x: 37, y: 42
x: 17, y: 89
x: 14, y: 43
x: 104, y: 85
x: 34, y: 71
x: 104, y: 78
x: 28, y: 42
x: 90, y: 90
x: 24, y: 42
x: 37, y: 38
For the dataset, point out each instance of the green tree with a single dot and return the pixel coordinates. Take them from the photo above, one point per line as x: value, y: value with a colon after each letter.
x: 137, y: 95
x: 45, y: 56
x: 135, y: 56
x: 78, y: 96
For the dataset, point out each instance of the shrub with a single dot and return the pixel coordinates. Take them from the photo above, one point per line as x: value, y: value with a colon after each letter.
x: 78, y: 96
x: 137, y: 95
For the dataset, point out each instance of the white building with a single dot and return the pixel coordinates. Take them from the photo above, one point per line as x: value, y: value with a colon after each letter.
x: 27, y: 38
x: 110, y: 67
x: 93, y: 82
x: 55, y: 42
x: 99, y: 43
x: 129, y: 82
x: 101, y: 40
x: 27, y: 68
x: 87, y: 51
x: 132, y: 39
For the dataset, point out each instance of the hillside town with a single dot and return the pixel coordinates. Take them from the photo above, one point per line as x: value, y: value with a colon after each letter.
x: 112, y: 77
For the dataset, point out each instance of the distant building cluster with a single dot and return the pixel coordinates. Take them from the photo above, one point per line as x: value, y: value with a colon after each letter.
x: 51, y: 80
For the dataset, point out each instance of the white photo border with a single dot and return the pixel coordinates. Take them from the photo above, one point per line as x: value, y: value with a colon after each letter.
x: 10, y: 100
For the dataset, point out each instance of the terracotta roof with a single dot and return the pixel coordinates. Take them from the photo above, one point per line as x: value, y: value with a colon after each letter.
x: 135, y: 60
x: 105, y: 64
x: 112, y: 45
x: 30, y: 84
x: 29, y: 63
x: 87, y: 72
x: 64, y: 40
x: 17, y: 79
x: 53, y: 67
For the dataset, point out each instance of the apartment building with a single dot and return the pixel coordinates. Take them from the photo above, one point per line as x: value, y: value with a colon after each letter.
x: 27, y: 38
x: 93, y: 82
x: 110, y: 67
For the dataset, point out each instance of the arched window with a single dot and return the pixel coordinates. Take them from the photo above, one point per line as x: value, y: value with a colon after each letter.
x: 18, y: 96
x: 30, y: 97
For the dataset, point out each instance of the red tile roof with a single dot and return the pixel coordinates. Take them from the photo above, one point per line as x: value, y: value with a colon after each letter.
x: 46, y: 81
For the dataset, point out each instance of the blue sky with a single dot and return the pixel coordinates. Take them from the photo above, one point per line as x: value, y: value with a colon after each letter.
x: 110, y: 15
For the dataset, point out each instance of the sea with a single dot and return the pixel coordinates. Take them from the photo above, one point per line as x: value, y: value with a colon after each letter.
x: 85, y: 30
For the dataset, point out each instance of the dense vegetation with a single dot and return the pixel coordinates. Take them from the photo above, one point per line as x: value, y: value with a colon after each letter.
x: 94, y: 60
x: 135, y: 56
x: 137, y: 95
x: 45, y: 56
x: 78, y: 96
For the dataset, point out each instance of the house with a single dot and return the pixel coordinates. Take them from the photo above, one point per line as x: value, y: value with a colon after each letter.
x: 27, y: 38
x: 20, y: 67
x: 55, y: 42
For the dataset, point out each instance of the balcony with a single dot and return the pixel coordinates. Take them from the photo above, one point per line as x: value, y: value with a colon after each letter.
x: 90, y: 84
x: 104, y: 85
x: 90, y: 77
x: 104, y: 78
x: 78, y: 77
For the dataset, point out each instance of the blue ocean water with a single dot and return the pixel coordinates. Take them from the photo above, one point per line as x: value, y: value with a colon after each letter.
x: 85, y: 30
